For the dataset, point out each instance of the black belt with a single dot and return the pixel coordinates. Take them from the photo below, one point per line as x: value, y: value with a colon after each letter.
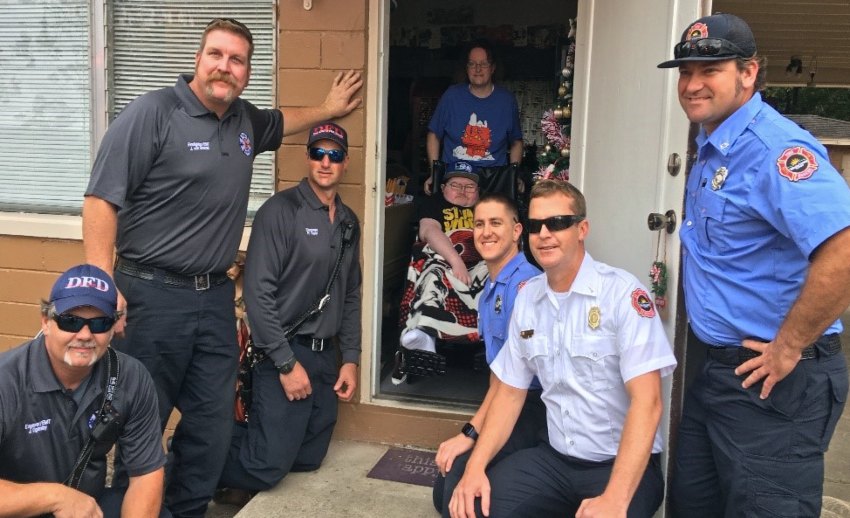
x: 315, y: 344
x: 149, y: 273
x: 827, y: 345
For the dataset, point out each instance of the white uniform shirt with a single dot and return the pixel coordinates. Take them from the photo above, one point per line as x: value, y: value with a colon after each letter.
x: 584, y: 345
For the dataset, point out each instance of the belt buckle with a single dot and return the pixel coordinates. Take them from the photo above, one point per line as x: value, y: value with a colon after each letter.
x: 202, y: 282
x: 317, y: 344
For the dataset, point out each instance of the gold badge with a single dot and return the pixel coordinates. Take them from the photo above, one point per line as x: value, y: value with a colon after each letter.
x: 719, y: 178
x: 593, y: 317
x: 528, y: 333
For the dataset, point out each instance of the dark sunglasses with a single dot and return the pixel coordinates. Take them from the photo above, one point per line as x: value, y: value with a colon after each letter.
x: 73, y: 323
x: 231, y: 21
x: 553, y: 223
x: 707, y: 47
x: 334, y: 155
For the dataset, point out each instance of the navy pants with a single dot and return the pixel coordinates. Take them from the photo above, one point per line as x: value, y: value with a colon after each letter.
x: 529, y: 431
x: 282, y: 435
x: 187, y: 341
x: 737, y: 455
x: 540, y: 482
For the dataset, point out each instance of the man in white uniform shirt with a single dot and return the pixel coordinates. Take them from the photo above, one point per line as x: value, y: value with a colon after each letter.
x: 591, y: 335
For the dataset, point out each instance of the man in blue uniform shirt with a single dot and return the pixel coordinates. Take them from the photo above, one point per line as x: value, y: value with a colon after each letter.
x: 766, y: 276
x: 496, y: 231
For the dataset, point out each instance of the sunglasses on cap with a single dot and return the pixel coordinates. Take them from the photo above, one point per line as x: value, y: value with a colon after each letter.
x: 553, y: 223
x: 706, y: 47
x: 334, y: 155
x: 73, y: 323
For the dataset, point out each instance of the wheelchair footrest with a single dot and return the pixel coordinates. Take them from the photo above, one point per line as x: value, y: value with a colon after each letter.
x: 424, y: 363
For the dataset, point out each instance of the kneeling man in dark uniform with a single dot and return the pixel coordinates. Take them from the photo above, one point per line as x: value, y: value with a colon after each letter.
x: 65, y: 399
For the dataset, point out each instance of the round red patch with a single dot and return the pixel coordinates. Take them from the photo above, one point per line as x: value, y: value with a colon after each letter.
x: 697, y: 31
x: 797, y: 163
x: 642, y: 303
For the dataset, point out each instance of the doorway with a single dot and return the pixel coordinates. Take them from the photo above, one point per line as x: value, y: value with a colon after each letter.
x: 427, y: 44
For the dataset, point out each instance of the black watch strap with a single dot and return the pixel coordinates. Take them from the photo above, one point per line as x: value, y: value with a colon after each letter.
x: 287, y: 366
x: 469, y: 431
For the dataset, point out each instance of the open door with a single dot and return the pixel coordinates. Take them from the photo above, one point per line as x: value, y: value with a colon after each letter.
x: 627, y: 127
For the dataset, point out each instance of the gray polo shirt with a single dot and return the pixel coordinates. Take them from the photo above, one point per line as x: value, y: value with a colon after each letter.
x: 43, y: 428
x: 291, y: 255
x: 180, y: 177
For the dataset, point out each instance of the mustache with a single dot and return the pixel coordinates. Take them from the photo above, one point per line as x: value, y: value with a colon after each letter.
x: 223, y: 76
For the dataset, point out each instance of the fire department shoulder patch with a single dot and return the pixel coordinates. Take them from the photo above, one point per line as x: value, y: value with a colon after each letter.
x: 797, y: 163
x: 642, y: 303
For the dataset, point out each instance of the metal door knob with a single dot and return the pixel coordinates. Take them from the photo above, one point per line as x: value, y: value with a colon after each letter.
x: 657, y: 221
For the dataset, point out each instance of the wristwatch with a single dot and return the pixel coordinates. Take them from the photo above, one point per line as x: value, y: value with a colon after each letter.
x: 287, y: 366
x: 469, y: 431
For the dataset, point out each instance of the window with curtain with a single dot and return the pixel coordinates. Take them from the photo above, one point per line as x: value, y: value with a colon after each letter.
x: 45, y: 105
x: 46, y: 140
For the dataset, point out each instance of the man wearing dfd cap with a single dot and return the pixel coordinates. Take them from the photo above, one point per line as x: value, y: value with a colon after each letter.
x: 53, y: 400
x: 766, y: 276
x: 299, y: 238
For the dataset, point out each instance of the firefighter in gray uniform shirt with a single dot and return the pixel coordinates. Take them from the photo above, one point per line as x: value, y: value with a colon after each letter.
x: 296, y: 240
x: 169, y: 190
x: 52, y: 401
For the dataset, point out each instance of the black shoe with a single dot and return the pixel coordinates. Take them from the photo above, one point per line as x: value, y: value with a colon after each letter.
x: 399, y: 374
x: 424, y: 363
x: 231, y: 496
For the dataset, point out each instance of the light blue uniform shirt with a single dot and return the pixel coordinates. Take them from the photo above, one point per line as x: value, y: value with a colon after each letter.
x: 747, y: 237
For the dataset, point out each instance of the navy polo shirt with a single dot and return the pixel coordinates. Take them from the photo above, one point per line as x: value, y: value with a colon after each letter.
x: 180, y: 177
x: 43, y: 427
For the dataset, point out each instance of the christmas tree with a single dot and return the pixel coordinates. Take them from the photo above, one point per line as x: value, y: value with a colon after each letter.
x: 554, y: 156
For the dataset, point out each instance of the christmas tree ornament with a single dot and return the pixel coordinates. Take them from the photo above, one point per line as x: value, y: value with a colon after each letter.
x: 547, y: 148
x: 558, y: 112
x: 566, y: 72
x: 567, y: 112
x: 565, y: 152
x: 562, y: 91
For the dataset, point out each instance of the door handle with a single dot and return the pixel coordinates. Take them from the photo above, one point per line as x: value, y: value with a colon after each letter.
x: 657, y: 221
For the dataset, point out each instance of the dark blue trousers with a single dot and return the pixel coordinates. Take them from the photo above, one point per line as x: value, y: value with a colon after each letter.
x: 540, y: 482
x: 529, y: 431
x: 187, y: 340
x: 737, y: 455
x: 282, y: 435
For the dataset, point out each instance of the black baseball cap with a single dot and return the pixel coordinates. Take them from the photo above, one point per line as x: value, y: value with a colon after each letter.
x: 714, y: 38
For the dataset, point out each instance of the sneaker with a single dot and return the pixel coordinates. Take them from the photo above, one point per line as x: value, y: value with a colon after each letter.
x: 399, y: 374
x: 424, y: 363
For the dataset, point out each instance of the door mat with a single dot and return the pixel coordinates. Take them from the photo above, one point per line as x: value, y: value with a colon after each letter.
x: 407, y: 466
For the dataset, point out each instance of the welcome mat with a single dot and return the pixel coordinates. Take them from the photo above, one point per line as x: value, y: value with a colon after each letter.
x: 407, y: 466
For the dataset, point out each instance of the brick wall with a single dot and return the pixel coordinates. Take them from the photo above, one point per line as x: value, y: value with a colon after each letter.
x: 28, y: 268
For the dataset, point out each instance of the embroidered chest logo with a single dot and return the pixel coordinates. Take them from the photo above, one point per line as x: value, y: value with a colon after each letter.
x: 245, y: 144
x: 198, y: 146
x: 642, y: 304
x: 37, y: 427
x: 312, y: 231
x: 797, y: 163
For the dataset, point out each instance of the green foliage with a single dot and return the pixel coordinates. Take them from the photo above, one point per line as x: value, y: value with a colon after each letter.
x: 826, y: 102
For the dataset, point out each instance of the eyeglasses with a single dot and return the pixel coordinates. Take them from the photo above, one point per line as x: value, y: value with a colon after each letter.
x: 73, y: 323
x: 336, y: 156
x: 462, y: 188
x: 553, y: 223
x: 231, y: 21
x: 472, y: 65
x: 706, y: 47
